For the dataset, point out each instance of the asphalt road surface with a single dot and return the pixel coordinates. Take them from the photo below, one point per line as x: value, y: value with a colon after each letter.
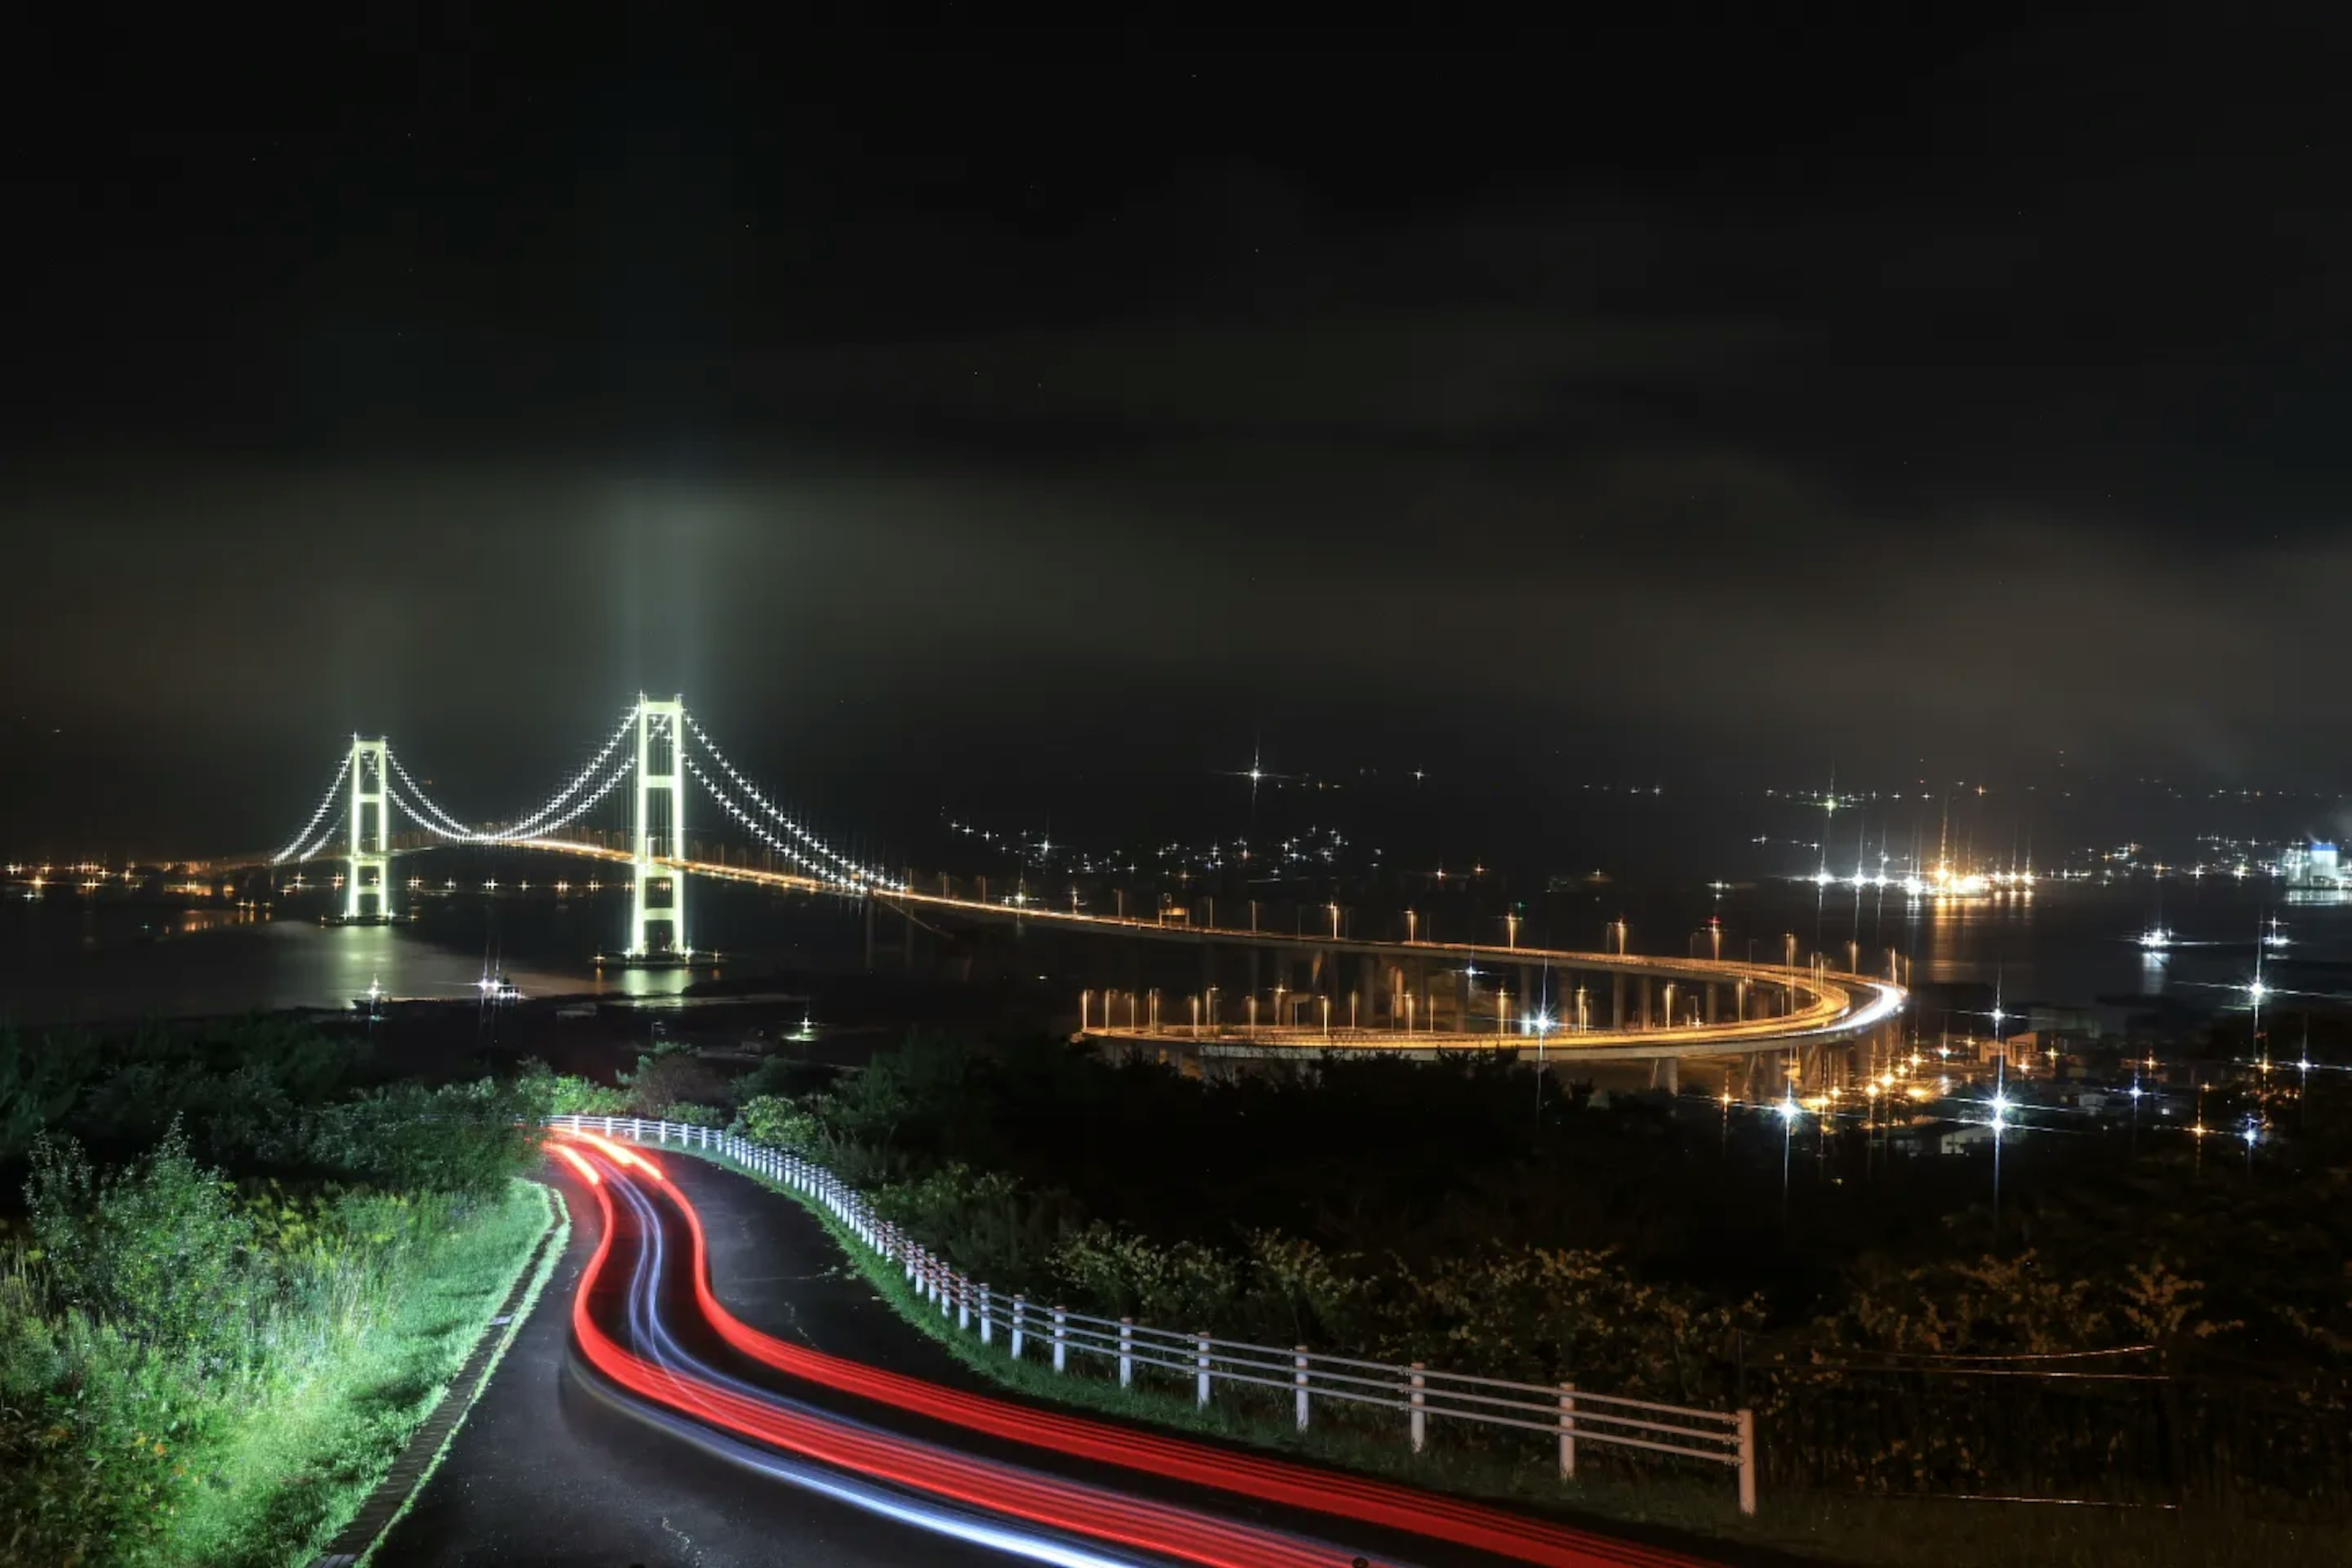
x: 554, y: 1466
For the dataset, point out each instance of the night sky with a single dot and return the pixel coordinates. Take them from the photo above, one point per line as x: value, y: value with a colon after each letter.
x: 1023, y: 420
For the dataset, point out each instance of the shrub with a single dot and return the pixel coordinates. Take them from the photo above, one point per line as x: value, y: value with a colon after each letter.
x: 467, y: 1138
x: 671, y: 1075
x: 94, y: 1429
x: 157, y: 1249
x: 574, y: 1096
x: 779, y: 1123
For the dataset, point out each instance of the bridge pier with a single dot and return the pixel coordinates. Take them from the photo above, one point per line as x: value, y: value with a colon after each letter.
x: 657, y: 905
x: 1617, y: 999
x: 367, y: 892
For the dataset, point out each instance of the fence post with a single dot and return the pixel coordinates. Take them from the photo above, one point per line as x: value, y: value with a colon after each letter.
x: 1061, y: 1341
x: 1126, y: 1353
x: 963, y: 1302
x: 987, y: 1324
x: 1020, y: 1324
x: 1746, y: 1430
x: 1200, y: 1344
x: 1299, y: 1377
x: 1419, y: 1415
x: 1568, y: 1431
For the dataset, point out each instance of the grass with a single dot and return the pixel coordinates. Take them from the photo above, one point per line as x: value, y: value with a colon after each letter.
x: 549, y: 1256
x: 290, y: 1470
x: 1848, y: 1528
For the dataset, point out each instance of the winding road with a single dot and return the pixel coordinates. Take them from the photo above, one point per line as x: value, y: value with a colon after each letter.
x: 708, y: 1382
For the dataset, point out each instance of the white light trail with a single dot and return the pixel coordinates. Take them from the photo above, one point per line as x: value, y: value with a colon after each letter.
x: 333, y: 790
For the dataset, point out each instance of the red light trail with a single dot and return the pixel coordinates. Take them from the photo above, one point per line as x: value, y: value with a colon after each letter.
x: 986, y: 1486
x: 1059, y: 1504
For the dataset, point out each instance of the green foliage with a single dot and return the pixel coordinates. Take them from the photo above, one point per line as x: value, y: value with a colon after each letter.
x: 159, y: 1247
x: 779, y: 1123
x: 779, y: 1075
x: 1414, y: 1212
x: 240, y: 1089
x: 692, y: 1115
x: 156, y: 1316
x: 1000, y: 1229
x: 574, y: 1096
x: 94, y: 1429
x: 669, y: 1075
x: 457, y: 1138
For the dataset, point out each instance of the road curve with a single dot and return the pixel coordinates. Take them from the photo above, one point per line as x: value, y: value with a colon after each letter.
x: 647, y: 1319
x: 560, y: 1466
x: 627, y: 1327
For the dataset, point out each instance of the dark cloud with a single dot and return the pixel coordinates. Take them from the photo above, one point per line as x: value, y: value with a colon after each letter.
x: 1863, y: 392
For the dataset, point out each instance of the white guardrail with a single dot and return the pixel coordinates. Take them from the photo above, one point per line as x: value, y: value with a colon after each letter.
x: 1568, y: 1416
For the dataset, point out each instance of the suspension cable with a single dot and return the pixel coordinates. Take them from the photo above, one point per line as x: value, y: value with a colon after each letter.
x: 536, y: 821
x: 416, y: 815
x: 431, y: 817
x: 579, y: 808
x: 333, y: 790
x: 845, y: 870
x: 820, y: 872
x: 320, y: 842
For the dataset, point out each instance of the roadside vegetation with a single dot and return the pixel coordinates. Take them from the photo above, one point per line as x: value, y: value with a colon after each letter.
x: 1886, y: 1325
x: 242, y: 1271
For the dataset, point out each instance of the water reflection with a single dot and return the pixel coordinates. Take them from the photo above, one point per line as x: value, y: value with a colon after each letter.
x: 67, y: 965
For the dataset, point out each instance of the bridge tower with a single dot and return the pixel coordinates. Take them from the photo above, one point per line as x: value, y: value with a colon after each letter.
x: 367, y: 892
x: 657, y: 912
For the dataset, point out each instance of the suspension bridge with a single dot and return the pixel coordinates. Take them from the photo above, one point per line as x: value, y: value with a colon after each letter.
x: 1406, y: 994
